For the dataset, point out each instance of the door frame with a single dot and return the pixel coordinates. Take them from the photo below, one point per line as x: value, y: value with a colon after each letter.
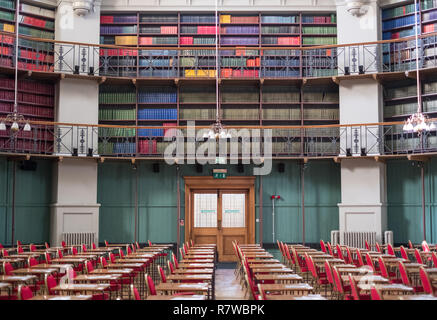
x: 230, y: 183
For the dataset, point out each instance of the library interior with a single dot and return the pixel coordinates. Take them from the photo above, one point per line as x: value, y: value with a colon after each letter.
x: 291, y: 146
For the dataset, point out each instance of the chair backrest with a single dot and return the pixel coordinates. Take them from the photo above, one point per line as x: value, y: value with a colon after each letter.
x: 434, y: 259
x: 337, y: 280
x: 18, y: 243
x: 7, y: 268
x: 1, y: 246
x: 47, y: 245
x: 175, y: 260
x: 192, y: 242
x: 261, y: 292
x: 367, y: 245
x: 170, y: 266
x: 339, y: 252
x: 84, y: 249
x: 182, y: 253
x: 330, y: 249
x: 360, y: 258
x: 32, y: 262
x: 322, y: 246
x: 404, y: 274
x: 106, y: 243
x: 375, y: 294
x: 32, y: 247
x: 251, y: 286
x: 20, y: 249
x: 74, y: 251
x: 369, y: 261
x: 5, y: 253
x: 390, y: 250
x: 50, y: 283
x: 426, y: 282
x: 112, y: 257
x: 137, y: 244
x: 129, y: 250
x: 162, y: 274
x: 378, y: 248
x: 63, y: 244
x: 121, y: 253
x: 93, y: 245
x: 134, y: 249
x: 310, y: 265
x: 289, y: 256
x: 103, y: 262
x: 185, y: 248
x: 418, y: 256
x: 134, y: 292
x: 88, y: 266
x: 149, y: 242
x: 425, y: 246
x: 328, y: 270
x: 410, y: 244
x: 383, y: 267
x: 48, y: 259
x: 404, y: 253
x: 24, y: 293
x: 354, y: 288
x: 150, y: 285
x: 349, y: 256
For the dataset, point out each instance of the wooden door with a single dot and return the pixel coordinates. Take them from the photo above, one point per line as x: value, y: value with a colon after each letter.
x: 219, y: 212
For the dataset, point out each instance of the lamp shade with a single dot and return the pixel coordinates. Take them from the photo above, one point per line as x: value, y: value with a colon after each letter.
x: 2, y: 126
x: 27, y: 127
x: 14, y: 126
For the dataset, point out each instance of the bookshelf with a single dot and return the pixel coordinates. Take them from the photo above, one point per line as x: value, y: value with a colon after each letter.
x: 35, y: 102
x: 35, y: 21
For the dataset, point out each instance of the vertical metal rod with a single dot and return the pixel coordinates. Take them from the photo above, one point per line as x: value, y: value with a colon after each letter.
x: 178, y: 192
x: 419, y: 95
x: 14, y: 169
x: 303, y: 201
x: 216, y: 62
x: 17, y: 25
x: 422, y: 173
x: 136, y: 203
x: 260, y: 210
x: 273, y: 219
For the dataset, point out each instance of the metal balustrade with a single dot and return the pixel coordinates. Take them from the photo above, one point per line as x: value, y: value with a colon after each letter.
x: 253, y: 63
x: 285, y: 141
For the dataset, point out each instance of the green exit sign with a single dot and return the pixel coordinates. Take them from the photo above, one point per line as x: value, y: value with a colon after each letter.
x: 219, y: 173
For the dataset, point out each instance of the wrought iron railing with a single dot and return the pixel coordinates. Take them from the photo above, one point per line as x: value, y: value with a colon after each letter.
x: 159, y: 62
x: 249, y: 141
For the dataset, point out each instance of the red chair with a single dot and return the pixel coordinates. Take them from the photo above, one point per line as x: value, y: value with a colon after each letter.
x: 103, y: 262
x: 31, y: 262
x: 253, y: 288
x: 330, y: 277
x: 425, y: 246
x: 182, y: 253
x: 406, y: 279
x: 48, y: 259
x: 5, y: 253
x: 434, y: 259
x: 375, y: 294
x: 404, y: 254
x: 370, y: 263
x: 93, y: 245
x: 32, y: 247
x: 137, y: 245
x: 418, y: 256
x: 343, y: 290
x: 356, y: 291
x: 121, y: 253
x: 390, y: 250
x: 410, y: 244
x: 112, y: 257
x: 390, y: 275
x: 322, y: 246
x: 262, y: 294
x: 63, y: 244
x: 106, y: 243
x: 330, y: 249
x: 60, y: 254
x: 170, y: 266
x: 150, y: 243
x: 84, y: 249
x: 7, y: 269
x: 290, y: 259
x: 47, y: 245
x: 20, y: 249
x: 24, y: 293
x: 175, y: 261
x: 114, y: 284
x: 88, y: 267
x: 340, y: 253
x: 351, y: 260
x: 320, y: 278
x: 281, y: 250
x: 1, y: 246
x: 50, y: 283
x: 162, y: 274
x: 367, y: 245
x: 134, y: 292
x: 300, y: 263
x: 74, y: 251
x: 378, y: 248
x: 150, y: 286
x: 428, y: 287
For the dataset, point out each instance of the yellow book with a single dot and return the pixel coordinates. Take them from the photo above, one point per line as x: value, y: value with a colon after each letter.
x: 190, y: 73
x: 126, y: 40
x: 226, y: 18
x: 8, y: 27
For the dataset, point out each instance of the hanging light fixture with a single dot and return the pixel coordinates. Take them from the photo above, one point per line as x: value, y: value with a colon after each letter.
x: 217, y: 130
x: 15, y: 118
x: 418, y: 122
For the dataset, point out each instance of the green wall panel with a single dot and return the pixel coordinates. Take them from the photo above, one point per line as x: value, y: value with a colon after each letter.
x: 157, y: 200
x: 32, y: 202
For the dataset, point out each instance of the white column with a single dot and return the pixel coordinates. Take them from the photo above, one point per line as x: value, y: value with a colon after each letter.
x: 75, y: 208
x: 363, y: 181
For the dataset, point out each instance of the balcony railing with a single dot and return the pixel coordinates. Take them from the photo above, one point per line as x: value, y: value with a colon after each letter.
x: 252, y: 63
x: 64, y: 139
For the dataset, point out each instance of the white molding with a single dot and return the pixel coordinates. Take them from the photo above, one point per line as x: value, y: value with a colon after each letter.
x: 73, y: 205
x: 361, y: 205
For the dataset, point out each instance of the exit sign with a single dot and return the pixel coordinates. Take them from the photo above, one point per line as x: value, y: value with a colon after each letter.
x: 219, y: 173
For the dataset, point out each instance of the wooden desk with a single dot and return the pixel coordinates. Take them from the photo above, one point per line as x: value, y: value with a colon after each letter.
x: 355, y: 271
x: 124, y: 265
x: 96, y: 277
x: 410, y: 297
x: 53, y: 297
x: 366, y: 279
x: 185, y: 260
x: 58, y: 267
x: 199, y: 256
x: 195, y: 265
x: 12, y: 260
x: 194, y: 271
x: 190, y: 277
x: 291, y: 289
x: 387, y: 288
x: 34, y: 271
x: 264, y: 261
x: 291, y: 297
x: 124, y: 271
x: 17, y: 279
x: 177, y: 297
x: 130, y: 261
x: 139, y: 256
x: 266, y: 266
x: 69, y: 260
x: 272, y: 270
x: 169, y: 288
x: 279, y: 278
x: 82, y: 287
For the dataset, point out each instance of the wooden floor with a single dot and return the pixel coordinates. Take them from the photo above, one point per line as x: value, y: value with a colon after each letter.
x: 227, y: 287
